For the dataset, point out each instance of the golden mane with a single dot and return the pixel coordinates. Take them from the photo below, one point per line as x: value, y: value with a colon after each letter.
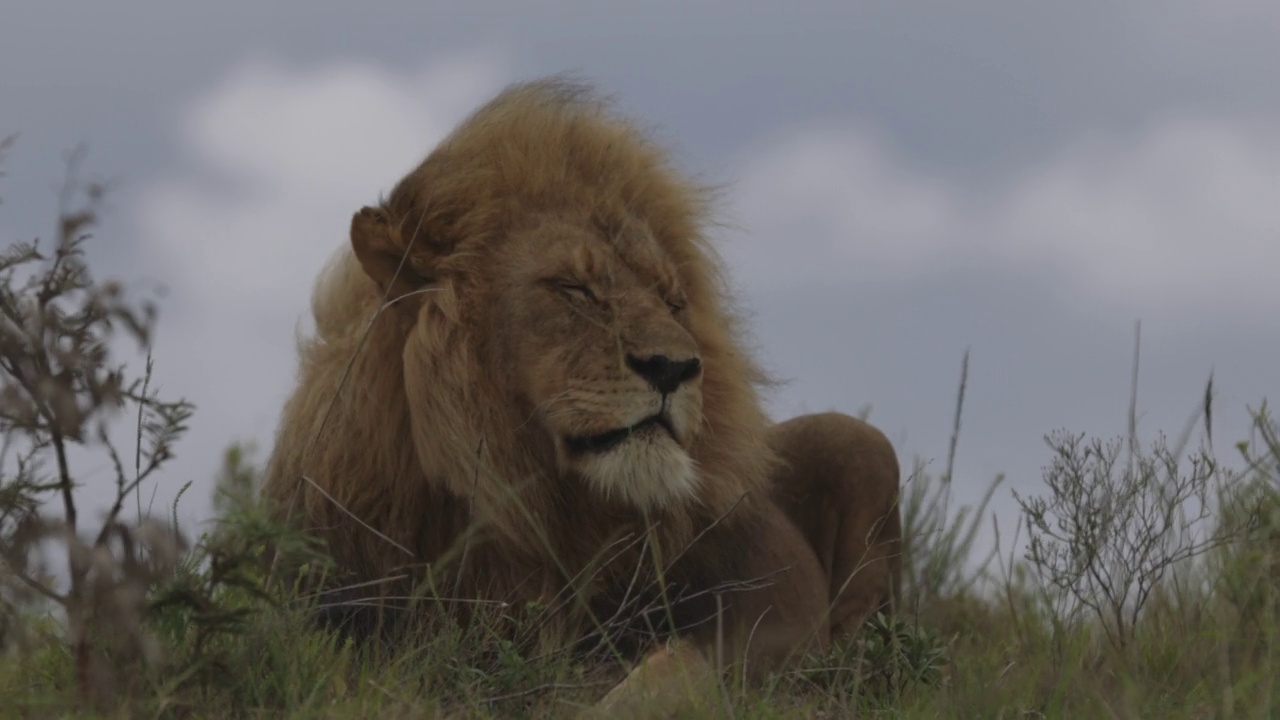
x: 402, y: 431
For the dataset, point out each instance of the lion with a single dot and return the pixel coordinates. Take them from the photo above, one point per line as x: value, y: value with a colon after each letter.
x: 527, y: 382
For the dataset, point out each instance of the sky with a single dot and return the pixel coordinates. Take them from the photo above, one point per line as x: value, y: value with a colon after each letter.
x: 903, y: 182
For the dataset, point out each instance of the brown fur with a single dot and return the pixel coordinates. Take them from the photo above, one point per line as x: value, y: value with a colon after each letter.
x: 522, y: 271
x: 840, y: 485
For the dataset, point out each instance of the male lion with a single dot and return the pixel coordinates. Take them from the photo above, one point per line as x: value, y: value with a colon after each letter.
x: 526, y: 378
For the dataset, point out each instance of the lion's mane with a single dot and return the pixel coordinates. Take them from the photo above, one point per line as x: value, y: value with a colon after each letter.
x: 390, y: 451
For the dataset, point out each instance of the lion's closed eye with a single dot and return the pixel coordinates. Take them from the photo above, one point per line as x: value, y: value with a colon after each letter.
x: 575, y: 290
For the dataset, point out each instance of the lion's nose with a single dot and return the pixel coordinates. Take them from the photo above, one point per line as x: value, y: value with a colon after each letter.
x: 663, y: 373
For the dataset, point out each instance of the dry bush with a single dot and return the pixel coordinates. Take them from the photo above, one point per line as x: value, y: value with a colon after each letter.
x: 61, y: 389
x: 1110, y: 532
x: 61, y: 393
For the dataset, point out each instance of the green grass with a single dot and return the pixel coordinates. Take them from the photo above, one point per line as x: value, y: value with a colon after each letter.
x: 1003, y: 645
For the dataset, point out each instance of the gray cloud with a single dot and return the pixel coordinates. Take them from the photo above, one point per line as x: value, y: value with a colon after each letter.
x: 1183, y: 215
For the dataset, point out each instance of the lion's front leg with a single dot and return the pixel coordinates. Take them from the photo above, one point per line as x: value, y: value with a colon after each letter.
x: 770, y: 609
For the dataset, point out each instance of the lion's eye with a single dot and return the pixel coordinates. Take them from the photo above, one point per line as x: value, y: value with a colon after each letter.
x: 675, y: 306
x: 578, y: 289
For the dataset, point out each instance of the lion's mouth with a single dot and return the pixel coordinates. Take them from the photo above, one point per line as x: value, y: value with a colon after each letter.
x: 608, y: 440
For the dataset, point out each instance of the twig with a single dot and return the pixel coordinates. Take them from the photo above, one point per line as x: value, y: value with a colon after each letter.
x: 40, y: 588
x: 1133, y: 393
x: 955, y: 427
x: 351, y: 515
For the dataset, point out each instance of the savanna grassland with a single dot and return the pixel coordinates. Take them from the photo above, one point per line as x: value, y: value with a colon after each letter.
x: 1142, y: 579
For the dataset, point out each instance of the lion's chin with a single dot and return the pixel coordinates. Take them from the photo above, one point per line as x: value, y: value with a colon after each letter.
x: 648, y: 470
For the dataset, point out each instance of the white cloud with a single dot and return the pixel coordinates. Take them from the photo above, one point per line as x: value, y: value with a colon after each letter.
x: 805, y: 197
x: 279, y: 159
x: 300, y: 152
x: 1186, y: 213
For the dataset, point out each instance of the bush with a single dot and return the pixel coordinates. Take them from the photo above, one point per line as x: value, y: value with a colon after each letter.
x: 61, y: 389
x: 1108, y: 533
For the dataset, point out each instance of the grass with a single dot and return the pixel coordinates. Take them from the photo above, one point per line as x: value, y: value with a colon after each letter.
x: 1149, y: 585
x: 1205, y: 645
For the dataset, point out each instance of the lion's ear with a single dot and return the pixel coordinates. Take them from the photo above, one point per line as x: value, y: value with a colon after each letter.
x: 381, y: 251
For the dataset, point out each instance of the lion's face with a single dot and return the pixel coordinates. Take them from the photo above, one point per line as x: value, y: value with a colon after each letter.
x: 599, y: 352
x: 567, y: 317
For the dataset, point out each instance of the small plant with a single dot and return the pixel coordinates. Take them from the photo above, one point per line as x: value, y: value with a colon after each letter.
x: 888, y: 656
x: 1108, y: 533
x: 223, y: 582
x: 898, y: 654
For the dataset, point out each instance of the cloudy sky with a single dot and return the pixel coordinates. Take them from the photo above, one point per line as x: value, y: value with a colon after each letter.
x: 905, y: 180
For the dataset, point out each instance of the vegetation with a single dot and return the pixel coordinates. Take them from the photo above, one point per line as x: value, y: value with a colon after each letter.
x: 1148, y: 586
